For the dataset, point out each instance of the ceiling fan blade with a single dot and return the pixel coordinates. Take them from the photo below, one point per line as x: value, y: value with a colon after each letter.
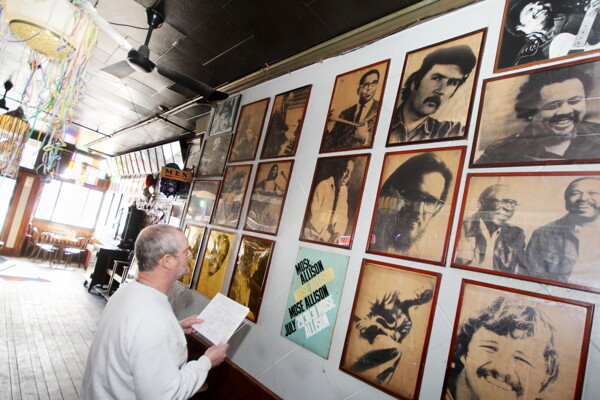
x: 202, y: 89
x: 121, y: 69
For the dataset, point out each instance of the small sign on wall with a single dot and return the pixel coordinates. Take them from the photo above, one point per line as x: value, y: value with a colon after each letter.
x: 176, y: 174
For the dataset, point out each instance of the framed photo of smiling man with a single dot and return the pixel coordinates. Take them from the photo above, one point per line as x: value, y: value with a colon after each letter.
x: 512, y: 344
x: 436, y: 91
x: 548, y: 116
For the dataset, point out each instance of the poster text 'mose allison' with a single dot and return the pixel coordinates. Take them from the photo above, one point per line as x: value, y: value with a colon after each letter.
x: 313, y: 300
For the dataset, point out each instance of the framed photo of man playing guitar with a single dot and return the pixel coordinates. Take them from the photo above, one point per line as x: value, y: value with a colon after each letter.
x: 537, y: 31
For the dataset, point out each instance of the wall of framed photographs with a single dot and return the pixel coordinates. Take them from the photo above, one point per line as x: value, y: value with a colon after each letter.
x: 457, y: 213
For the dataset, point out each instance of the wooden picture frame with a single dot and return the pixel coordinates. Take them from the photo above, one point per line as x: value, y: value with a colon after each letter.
x: 214, y: 155
x: 195, y: 237
x: 194, y: 151
x: 509, y: 343
x: 223, y: 115
x: 415, y: 204
x: 215, y: 262
x: 542, y: 241
x: 250, y: 273
x: 231, y: 196
x: 557, y: 31
x: 248, y: 131
x: 540, y: 117
x: 268, y: 196
x: 285, y: 123
x: 354, y: 108
x: 391, y: 355
x: 334, y: 200
x: 436, y: 91
x: 176, y: 213
x: 202, y: 200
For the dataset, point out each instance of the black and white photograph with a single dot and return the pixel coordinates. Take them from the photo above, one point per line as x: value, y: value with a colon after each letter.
x: 224, y: 115
x: 214, y: 155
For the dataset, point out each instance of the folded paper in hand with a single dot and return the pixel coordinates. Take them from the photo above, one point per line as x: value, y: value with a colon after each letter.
x: 222, y: 316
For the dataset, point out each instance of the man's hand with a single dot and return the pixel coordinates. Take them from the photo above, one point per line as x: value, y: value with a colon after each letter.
x: 186, y: 324
x: 217, y: 354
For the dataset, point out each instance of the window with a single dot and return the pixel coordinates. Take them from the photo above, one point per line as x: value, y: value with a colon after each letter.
x: 69, y: 204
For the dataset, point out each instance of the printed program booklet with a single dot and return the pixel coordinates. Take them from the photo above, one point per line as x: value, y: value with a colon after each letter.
x: 222, y: 316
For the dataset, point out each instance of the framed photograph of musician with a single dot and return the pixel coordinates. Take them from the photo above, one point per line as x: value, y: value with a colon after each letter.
x: 540, y: 117
x: 231, y: 196
x: 415, y: 204
x: 268, y: 196
x: 214, y: 155
x: 285, y: 124
x: 249, y: 128
x: 195, y: 236
x: 354, y: 108
x: 224, y: 113
x: 509, y: 343
x: 390, y: 356
x: 507, y: 229
x: 202, y: 200
x: 250, y: 273
x: 334, y: 200
x: 535, y: 32
x: 436, y: 91
x: 215, y: 262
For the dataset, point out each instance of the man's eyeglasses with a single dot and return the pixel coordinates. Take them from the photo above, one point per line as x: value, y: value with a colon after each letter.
x: 509, y: 204
x: 404, y: 199
x: 369, y: 84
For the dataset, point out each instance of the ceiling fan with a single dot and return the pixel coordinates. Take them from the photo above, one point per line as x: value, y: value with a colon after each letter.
x: 138, y: 60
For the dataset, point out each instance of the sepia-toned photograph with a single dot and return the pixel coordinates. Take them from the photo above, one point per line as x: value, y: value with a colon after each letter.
x: 334, y: 200
x: 285, y: 123
x: 389, y: 327
x: 250, y: 273
x: 192, y: 159
x: 224, y: 113
x: 268, y: 196
x: 214, y: 155
x: 538, y: 226
x: 202, y: 200
x: 232, y: 195
x: 548, y: 116
x: 415, y: 204
x: 537, y: 31
x: 215, y: 262
x: 249, y: 128
x: 436, y: 91
x: 194, y: 235
x: 512, y: 344
x: 354, y: 109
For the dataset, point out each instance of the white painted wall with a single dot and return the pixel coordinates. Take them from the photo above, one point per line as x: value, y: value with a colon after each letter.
x: 294, y: 372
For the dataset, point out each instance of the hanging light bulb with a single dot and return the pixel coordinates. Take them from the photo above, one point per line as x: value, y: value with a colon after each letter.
x: 13, y: 134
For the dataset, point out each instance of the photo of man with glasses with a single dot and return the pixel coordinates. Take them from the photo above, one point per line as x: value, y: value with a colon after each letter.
x: 409, y: 201
x: 353, y: 128
x: 487, y: 240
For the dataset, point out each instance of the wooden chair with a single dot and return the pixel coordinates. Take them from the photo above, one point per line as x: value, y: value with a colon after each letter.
x: 81, y: 248
x: 46, y: 248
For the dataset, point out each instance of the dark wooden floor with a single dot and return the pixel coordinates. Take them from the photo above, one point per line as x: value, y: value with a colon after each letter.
x: 47, y: 323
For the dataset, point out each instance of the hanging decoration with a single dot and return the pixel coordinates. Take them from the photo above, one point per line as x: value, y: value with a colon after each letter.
x: 62, y: 39
x: 13, y: 131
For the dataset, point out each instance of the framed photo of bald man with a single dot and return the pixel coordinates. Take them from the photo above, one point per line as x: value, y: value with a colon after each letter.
x: 334, y: 200
x: 540, y: 117
x: 512, y: 344
x: 538, y: 31
x: 354, y: 109
x: 415, y: 204
x: 436, y: 91
x: 507, y: 230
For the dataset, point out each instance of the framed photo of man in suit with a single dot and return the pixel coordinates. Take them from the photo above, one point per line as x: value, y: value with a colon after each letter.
x: 231, y: 196
x: 249, y: 128
x: 509, y: 343
x: 334, y: 200
x: 436, y: 91
x: 354, y: 109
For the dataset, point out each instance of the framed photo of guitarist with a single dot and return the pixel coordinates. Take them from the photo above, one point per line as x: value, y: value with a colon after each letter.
x: 537, y: 31
x: 334, y: 200
x: 354, y: 108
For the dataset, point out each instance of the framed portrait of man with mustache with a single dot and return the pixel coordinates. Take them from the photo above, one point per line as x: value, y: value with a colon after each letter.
x: 512, y: 344
x: 436, y: 91
x: 540, y: 117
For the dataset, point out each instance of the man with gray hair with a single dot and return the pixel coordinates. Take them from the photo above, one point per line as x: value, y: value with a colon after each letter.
x: 140, y: 350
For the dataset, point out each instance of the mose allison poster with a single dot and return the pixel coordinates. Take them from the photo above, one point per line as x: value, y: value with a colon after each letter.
x: 313, y: 302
